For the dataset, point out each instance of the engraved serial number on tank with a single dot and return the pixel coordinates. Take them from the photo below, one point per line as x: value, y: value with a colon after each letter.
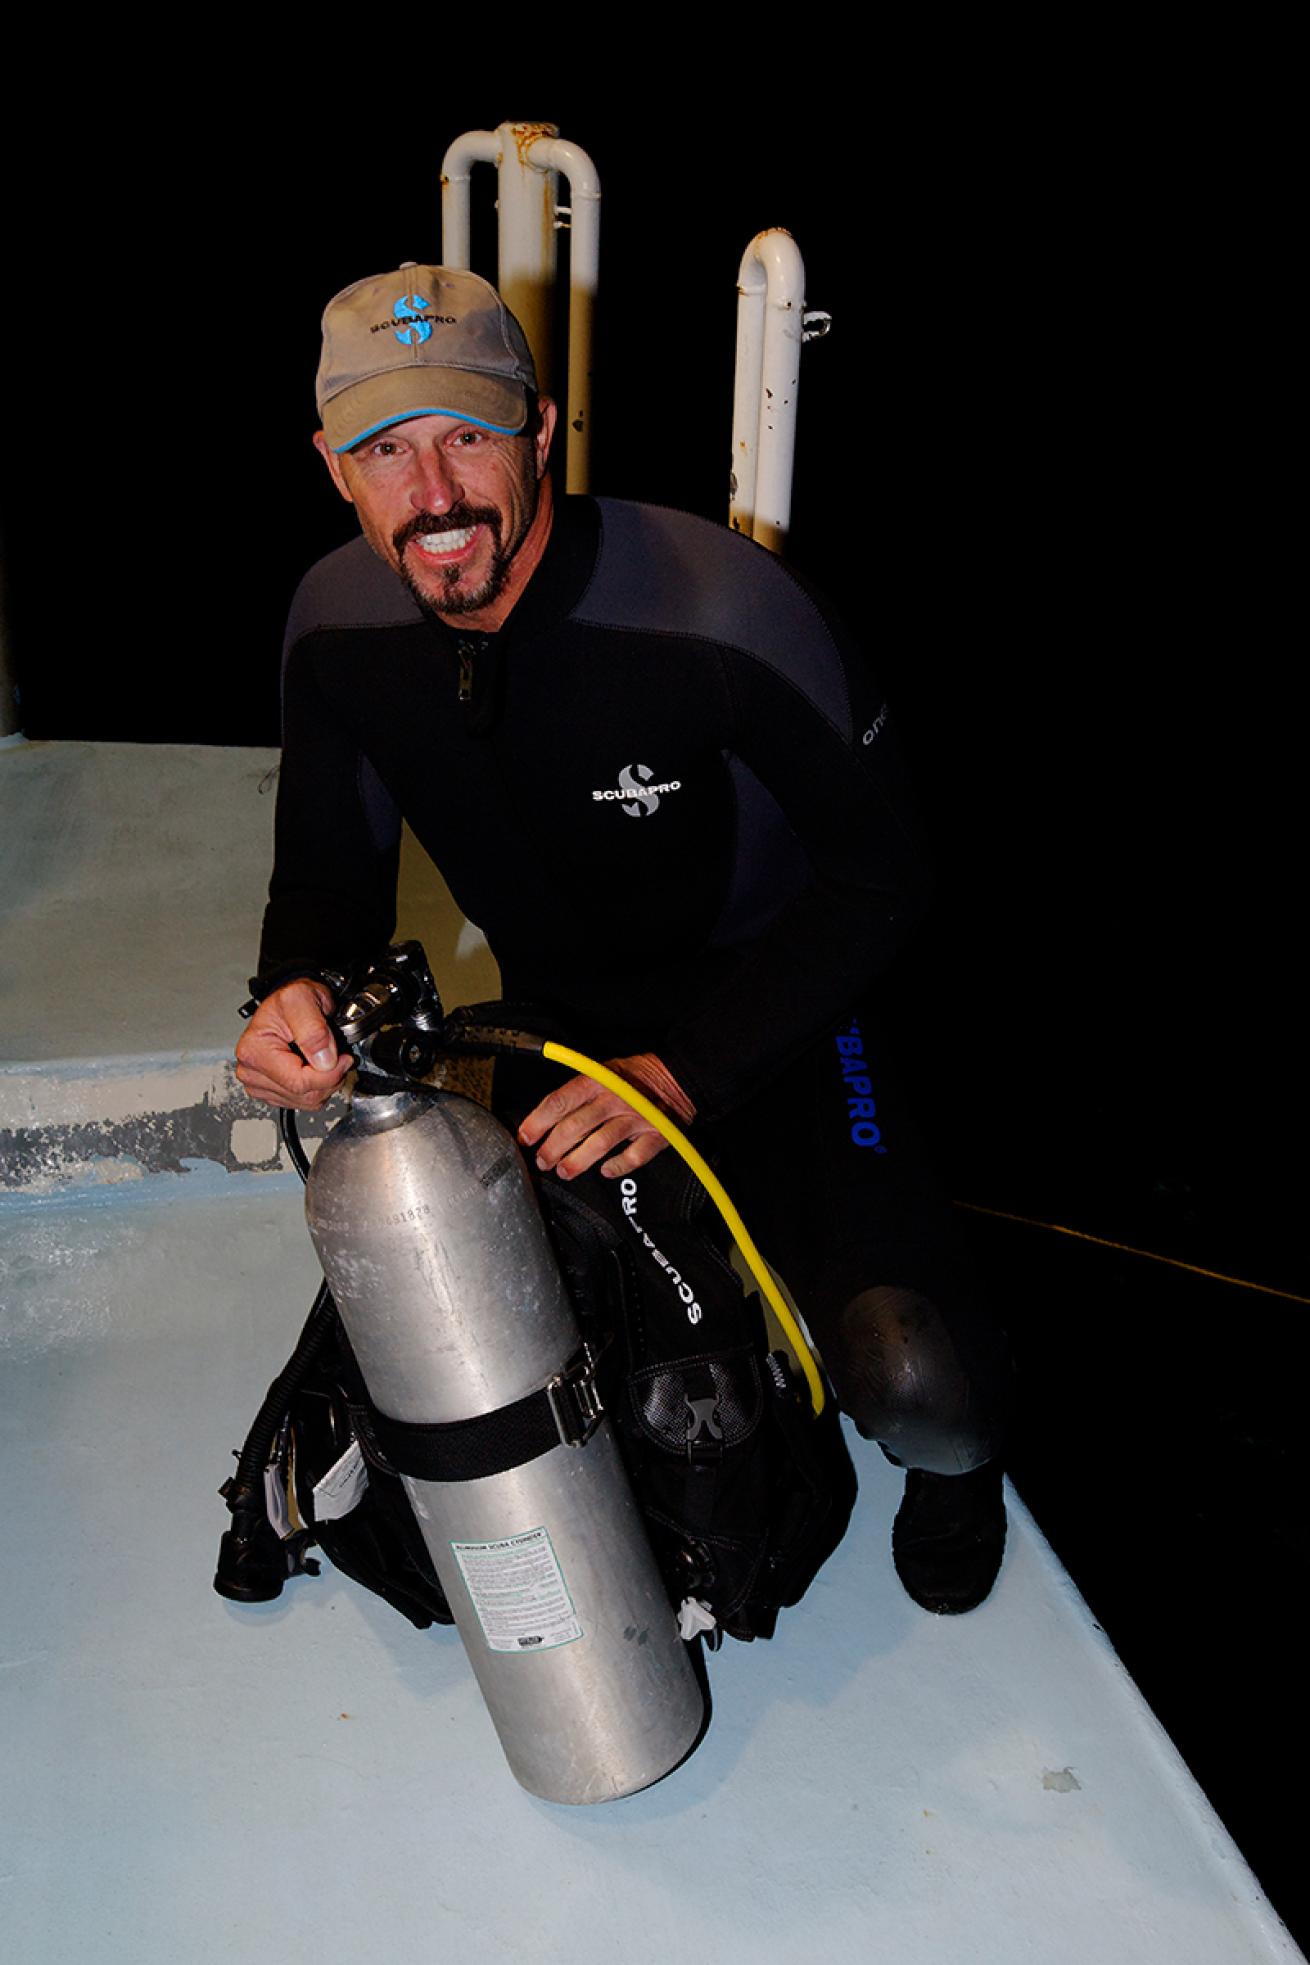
x: 406, y: 1214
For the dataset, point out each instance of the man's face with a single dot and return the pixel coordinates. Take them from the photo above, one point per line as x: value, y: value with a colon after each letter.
x: 457, y: 511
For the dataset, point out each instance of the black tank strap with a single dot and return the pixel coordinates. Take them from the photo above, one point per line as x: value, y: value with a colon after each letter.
x: 566, y: 1412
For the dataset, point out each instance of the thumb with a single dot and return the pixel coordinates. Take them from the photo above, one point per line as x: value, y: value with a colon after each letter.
x: 309, y: 1031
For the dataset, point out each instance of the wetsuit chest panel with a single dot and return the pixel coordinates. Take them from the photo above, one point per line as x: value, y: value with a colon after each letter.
x: 597, y: 795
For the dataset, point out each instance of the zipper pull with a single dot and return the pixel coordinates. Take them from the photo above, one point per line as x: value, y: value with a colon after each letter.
x: 466, y: 671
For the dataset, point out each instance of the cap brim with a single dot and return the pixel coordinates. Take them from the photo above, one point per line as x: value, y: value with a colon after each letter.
x: 373, y: 405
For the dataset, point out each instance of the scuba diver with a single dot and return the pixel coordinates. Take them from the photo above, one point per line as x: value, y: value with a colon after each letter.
x: 657, y: 773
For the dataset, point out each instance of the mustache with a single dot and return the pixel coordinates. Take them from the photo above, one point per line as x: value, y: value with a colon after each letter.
x: 454, y: 520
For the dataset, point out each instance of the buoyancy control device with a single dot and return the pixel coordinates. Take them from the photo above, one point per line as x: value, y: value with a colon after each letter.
x: 441, y: 1430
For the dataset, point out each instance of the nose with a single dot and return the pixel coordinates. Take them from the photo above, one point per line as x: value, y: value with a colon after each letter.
x: 435, y: 485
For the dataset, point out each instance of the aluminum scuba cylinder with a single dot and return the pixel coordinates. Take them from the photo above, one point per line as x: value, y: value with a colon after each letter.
x: 429, y: 1234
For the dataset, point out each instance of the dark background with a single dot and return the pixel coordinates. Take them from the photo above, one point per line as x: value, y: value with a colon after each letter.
x: 1039, y: 463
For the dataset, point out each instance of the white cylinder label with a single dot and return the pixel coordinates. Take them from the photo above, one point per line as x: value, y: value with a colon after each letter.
x: 519, y: 1592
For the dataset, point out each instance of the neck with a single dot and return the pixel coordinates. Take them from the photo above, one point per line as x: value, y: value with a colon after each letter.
x: 486, y: 620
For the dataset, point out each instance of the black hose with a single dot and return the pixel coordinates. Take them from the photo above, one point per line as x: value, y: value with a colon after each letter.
x: 253, y: 1561
x: 286, y: 1125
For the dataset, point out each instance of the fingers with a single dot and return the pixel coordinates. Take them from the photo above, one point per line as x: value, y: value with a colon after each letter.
x: 303, y: 1012
x: 271, y: 1070
x: 307, y: 1096
x: 638, y: 1153
x: 556, y: 1106
x: 609, y: 1136
x: 281, y: 1079
x: 565, y: 1125
x: 598, y: 1144
x: 579, y: 1123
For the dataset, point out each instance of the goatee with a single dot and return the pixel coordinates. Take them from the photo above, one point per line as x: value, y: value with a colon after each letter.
x: 457, y: 596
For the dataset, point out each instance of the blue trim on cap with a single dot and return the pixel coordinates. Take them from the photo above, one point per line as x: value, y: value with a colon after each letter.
x: 389, y: 422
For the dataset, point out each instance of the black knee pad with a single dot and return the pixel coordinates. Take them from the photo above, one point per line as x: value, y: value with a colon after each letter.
x: 932, y: 1387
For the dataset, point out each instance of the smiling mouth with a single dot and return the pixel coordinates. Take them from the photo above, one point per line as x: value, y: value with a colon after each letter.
x: 447, y: 536
x: 458, y: 565
x: 454, y: 540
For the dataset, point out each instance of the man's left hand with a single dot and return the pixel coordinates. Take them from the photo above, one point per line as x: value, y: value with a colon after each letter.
x: 580, y: 1122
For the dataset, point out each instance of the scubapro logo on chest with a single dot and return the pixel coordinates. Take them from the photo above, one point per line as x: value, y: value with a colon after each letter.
x: 636, y: 796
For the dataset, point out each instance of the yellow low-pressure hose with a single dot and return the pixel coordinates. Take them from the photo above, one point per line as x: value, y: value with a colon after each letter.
x: 601, y: 1073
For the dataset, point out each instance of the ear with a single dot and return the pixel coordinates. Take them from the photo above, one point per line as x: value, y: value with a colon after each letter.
x: 334, y: 464
x: 547, y: 416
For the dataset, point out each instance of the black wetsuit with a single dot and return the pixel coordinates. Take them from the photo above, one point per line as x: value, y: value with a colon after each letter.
x: 668, y: 794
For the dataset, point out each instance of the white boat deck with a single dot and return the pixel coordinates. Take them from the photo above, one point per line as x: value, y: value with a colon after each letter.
x: 315, y: 1780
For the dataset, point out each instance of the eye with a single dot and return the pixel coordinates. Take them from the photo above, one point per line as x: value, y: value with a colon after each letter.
x: 381, y: 450
x: 469, y: 438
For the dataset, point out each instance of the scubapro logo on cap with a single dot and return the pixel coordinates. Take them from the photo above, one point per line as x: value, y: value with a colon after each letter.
x: 407, y: 309
x: 406, y: 322
x: 636, y: 793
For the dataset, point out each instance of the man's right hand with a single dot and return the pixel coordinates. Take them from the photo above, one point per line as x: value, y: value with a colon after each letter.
x: 287, y: 1055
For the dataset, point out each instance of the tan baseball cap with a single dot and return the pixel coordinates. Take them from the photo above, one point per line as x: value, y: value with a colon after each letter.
x: 423, y: 341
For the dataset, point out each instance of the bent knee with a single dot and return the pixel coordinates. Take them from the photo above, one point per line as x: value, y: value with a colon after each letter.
x: 933, y: 1392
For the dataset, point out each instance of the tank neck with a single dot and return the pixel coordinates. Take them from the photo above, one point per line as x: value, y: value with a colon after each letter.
x: 378, y: 1112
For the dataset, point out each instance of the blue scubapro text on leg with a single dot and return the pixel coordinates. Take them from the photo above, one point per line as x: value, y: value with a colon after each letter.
x: 860, y: 1106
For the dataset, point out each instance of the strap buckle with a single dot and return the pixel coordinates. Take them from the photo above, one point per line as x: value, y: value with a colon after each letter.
x: 575, y: 1401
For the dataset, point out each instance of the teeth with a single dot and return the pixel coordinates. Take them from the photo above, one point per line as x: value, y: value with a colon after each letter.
x: 446, y: 542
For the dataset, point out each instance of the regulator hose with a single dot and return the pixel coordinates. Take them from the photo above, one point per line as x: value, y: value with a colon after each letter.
x: 709, y: 1180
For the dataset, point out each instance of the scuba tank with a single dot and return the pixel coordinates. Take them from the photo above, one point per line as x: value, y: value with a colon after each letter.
x: 430, y: 1238
x: 439, y: 1432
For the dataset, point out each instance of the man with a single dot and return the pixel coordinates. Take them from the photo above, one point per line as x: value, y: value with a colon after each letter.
x: 658, y: 776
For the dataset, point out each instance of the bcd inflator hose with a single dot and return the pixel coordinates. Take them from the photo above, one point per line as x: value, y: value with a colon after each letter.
x: 709, y: 1180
